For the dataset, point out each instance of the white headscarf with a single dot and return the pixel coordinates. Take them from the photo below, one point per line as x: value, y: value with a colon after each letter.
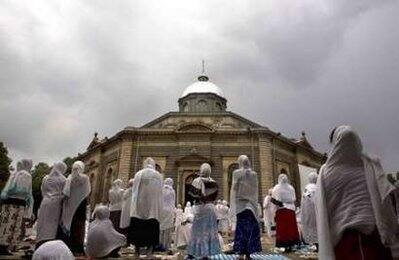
x: 204, y: 174
x: 76, y: 189
x: 284, y: 192
x: 362, y: 205
x: 19, y: 185
x: 102, y: 238
x: 115, y: 195
x: 49, y: 213
x: 308, y: 210
x: 244, y: 188
x: 127, y: 200
x: 169, y: 200
x: 188, y: 210
x: 53, y: 250
x: 147, y: 199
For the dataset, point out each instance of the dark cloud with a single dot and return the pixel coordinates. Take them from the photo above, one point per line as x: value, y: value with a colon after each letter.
x: 69, y: 69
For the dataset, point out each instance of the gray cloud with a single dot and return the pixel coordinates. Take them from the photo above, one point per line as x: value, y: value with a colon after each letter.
x: 69, y: 69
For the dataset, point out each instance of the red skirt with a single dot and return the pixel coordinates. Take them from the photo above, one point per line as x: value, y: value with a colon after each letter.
x: 354, y: 245
x: 286, y: 228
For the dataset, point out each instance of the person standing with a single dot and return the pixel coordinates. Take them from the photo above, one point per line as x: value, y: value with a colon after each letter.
x: 15, y: 205
x: 268, y: 213
x: 146, y: 207
x: 74, y: 210
x: 168, y: 214
x: 49, y: 214
x: 283, y: 195
x: 355, y: 215
x: 308, y: 211
x: 115, y: 196
x: 244, y: 205
x: 125, y: 213
x: 204, y: 241
x: 224, y: 221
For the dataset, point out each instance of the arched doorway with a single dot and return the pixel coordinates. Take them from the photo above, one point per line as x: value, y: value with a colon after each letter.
x: 187, y: 182
x: 230, y: 170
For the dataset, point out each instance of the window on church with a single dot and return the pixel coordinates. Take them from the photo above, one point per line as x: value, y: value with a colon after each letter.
x: 185, y: 107
x: 202, y: 106
x: 219, y: 107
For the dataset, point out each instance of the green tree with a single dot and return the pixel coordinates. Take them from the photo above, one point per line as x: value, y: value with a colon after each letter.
x: 39, y: 171
x: 5, y: 162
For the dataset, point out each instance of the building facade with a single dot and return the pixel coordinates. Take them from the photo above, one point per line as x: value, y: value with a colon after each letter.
x: 203, y: 130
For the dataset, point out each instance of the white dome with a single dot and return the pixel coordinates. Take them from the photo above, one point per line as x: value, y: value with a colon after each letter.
x: 203, y: 86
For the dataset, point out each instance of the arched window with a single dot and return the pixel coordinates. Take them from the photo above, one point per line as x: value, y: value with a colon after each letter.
x: 202, y: 106
x: 218, y: 106
x: 230, y: 170
x: 185, y: 107
x: 108, y: 181
x: 283, y: 171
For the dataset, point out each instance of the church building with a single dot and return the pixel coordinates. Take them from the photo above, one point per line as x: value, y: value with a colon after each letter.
x: 203, y: 130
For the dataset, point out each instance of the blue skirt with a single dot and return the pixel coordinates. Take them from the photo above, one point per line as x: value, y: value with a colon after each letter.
x: 247, y: 235
x: 204, y: 233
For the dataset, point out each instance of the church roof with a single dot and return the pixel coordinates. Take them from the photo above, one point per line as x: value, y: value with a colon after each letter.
x: 203, y: 85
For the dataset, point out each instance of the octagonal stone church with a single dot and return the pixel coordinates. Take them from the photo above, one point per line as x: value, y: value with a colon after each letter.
x: 203, y: 130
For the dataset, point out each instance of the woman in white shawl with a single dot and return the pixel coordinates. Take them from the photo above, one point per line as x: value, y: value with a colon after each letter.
x: 355, y: 217
x: 167, y: 222
x: 49, y: 214
x: 188, y: 209
x: 115, y: 196
x: 53, y: 250
x: 268, y: 213
x: 224, y: 221
x: 308, y: 211
x: 125, y: 213
x: 16, y: 204
x: 146, y: 207
x: 244, y: 205
x: 283, y: 196
x: 205, y: 241
x: 102, y: 238
x: 74, y: 210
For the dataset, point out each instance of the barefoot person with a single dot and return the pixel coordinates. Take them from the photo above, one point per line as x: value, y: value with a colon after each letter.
x: 244, y: 205
x: 355, y: 216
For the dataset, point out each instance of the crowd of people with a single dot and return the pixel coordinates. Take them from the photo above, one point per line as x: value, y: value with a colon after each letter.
x: 348, y: 210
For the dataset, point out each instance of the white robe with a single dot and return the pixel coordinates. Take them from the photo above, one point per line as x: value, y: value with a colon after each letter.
x: 308, y: 214
x: 169, y: 200
x: 268, y: 214
x: 183, y: 231
x: 53, y: 250
x: 49, y: 214
x: 115, y: 196
x: 125, y: 214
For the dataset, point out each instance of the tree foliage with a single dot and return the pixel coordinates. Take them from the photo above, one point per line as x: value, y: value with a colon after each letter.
x: 5, y: 162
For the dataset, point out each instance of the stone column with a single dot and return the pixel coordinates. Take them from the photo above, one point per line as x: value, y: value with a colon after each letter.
x: 266, y: 164
x: 125, y: 159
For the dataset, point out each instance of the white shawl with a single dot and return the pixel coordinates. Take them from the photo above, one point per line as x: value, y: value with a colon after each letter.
x: 169, y: 200
x: 53, y: 250
x: 308, y: 211
x: 147, y: 199
x: 345, y: 161
x: 49, y: 213
x: 76, y: 189
x: 115, y: 196
x: 102, y: 238
x: 127, y: 200
x: 244, y: 188
x: 284, y: 192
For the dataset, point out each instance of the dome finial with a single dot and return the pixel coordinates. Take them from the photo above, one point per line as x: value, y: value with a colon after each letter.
x: 203, y: 77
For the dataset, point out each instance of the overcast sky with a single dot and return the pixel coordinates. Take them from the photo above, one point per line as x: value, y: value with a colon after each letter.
x: 70, y: 68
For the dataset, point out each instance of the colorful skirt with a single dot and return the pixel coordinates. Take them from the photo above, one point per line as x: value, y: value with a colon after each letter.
x: 11, y: 222
x: 204, y: 240
x: 247, y: 235
x: 286, y: 228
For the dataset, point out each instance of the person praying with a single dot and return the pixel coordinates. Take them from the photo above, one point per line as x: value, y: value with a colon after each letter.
x: 168, y: 214
x: 102, y: 239
x: 355, y: 215
x: 268, y: 213
x: 125, y: 213
x: 53, y: 250
x: 74, y: 210
x: 49, y: 214
x: 283, y: 196
x: 15, y: 205
x: 308, y: 211
x: 204, y: 240
x: 244, y: 205
x: 115, y: 196
x: 146, y: 207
